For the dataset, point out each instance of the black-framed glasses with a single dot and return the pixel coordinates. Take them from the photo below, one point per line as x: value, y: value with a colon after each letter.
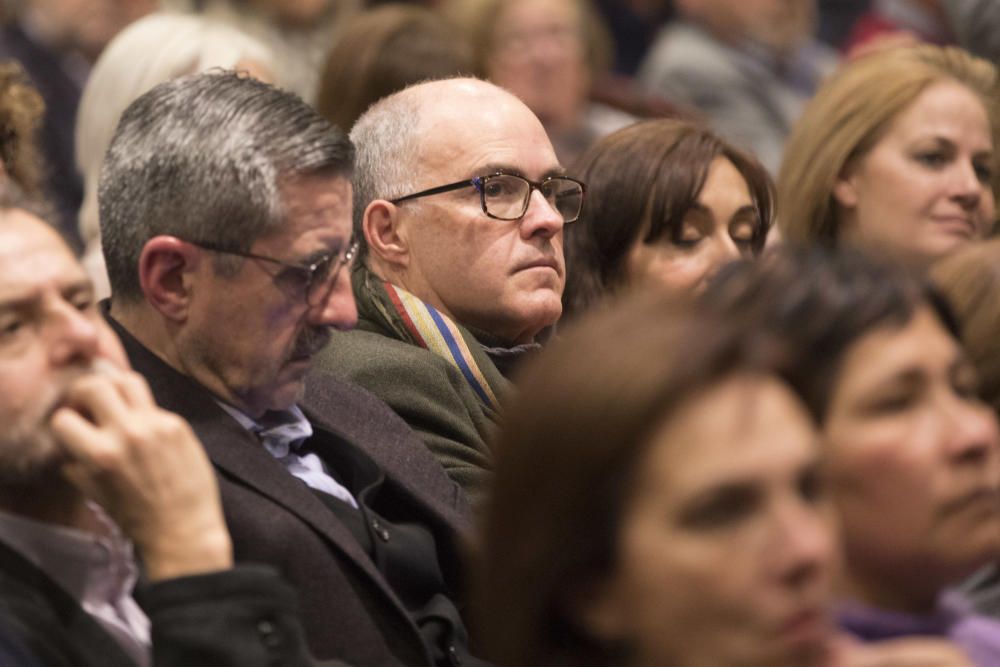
x: 507, y: 196
x: 314, y: 280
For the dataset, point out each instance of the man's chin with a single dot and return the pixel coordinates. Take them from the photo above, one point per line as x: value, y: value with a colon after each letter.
x: 29, y: 461
x: 289, y: 394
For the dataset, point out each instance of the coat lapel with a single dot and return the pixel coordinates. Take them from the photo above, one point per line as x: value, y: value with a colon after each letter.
x: 237, y: 454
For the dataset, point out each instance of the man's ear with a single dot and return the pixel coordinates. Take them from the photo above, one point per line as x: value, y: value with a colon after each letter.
x: 383, y: 234
x: 166, y: 268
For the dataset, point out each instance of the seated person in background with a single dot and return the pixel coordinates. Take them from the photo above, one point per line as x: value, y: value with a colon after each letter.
x: 896, y: 154
x: 226, y: 223
x: 549, y: 53
x: 912, y: 454
x: 459, y: 207
x: 890, y: 23
x: 21, y: 110
x: 668, y: 513
x: 383, y: 50
x: 56, y: 41
x: 298, y: 33
x: 668, y: 203
x: 749, y: 67
x: 89, y: 466
x: 154, y: 49
x: 976, y: 25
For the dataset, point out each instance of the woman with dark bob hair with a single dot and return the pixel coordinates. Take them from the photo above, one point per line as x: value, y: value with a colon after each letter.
x: 668, y: 202
x: 912, y: 454
x: 624, y: 488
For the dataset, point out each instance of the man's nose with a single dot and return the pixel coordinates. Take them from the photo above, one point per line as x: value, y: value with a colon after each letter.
x: 72, y: 335
x: 338, y: 308
x: 541, y: 218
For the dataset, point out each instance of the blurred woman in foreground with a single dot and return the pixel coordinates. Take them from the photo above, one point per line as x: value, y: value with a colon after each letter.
x: 624, y: 488
x: 912, y: 454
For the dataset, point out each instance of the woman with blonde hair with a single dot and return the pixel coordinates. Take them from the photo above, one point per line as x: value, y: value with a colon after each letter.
x: 128, y: 67
x: 896, y: 154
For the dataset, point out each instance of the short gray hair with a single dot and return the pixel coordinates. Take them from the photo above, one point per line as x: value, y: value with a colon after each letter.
x: 202, y: 158
x: 386, y: 141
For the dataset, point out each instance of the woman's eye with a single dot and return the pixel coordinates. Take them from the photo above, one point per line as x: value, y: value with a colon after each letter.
x: 687, y: 237
x: 743, y: 233
x: 966, y: 385
x: 811, y: 486
x: 892, y: 403
x: 932, y: 159
x: 10, y: 326
x: 723, y: 509
x: 984, y: 173
x: 83, y: 303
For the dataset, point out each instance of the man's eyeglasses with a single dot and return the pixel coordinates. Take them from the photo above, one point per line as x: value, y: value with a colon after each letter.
x: 314, y: 281
x: 506, y: 196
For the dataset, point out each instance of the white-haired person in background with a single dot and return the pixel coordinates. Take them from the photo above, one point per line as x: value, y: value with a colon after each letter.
x: 155, y: 49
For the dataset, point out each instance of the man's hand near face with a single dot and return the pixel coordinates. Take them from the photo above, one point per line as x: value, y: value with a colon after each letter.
x: 146, y: 468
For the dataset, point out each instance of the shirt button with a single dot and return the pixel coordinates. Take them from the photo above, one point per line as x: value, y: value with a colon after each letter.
x: 380, y: 530
x: 268, y: 634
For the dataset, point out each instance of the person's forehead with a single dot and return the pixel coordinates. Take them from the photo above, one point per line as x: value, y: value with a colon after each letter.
x: 317, y: 195
x: 469, y: 132
x: 32, y: 253
x: 317, y: 216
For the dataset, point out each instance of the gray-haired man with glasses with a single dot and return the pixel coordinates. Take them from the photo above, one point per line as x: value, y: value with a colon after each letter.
x: 459, y: 209
x: 226, y: 223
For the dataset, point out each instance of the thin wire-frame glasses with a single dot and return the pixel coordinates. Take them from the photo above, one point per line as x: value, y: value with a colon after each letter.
x: 313, y: 280
x: 507, y: 196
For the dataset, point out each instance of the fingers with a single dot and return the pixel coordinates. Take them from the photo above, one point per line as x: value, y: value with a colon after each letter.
x: 147, y: 469
x: 132, y: 386
x: 109, y: 395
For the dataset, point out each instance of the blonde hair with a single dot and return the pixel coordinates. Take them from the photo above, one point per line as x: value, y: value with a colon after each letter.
x: 970, y: 280
x: 849, y: 115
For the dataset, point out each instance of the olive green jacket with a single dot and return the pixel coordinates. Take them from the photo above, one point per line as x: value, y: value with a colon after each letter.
x: 450, y: 398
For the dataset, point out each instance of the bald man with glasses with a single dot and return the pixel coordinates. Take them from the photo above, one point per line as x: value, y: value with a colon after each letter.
x: 459, y: 209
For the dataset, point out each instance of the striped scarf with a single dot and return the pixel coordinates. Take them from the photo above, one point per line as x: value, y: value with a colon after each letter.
x: 436, y: 332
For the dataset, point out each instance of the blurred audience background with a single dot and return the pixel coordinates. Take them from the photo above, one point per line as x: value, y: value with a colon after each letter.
x: 748, y: 66
x: 769, y: 187
x: 57, y: 42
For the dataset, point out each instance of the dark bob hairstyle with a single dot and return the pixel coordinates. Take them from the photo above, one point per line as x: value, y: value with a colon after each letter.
x: 641, y: 182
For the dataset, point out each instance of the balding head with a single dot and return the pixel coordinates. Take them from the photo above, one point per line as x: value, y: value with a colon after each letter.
x: 443, y: 247
x: 392, y: 142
